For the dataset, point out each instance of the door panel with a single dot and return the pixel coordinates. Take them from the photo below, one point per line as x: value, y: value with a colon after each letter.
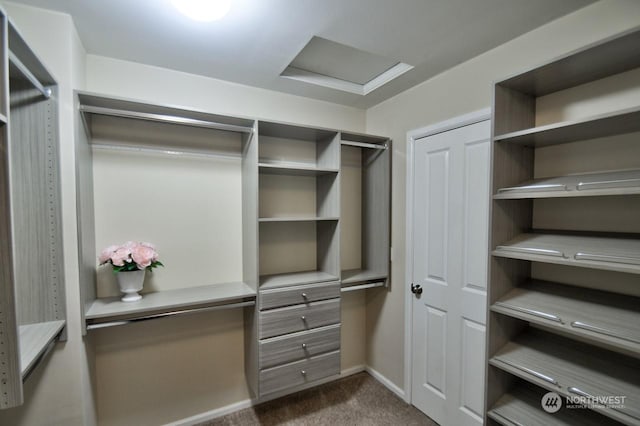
x: 450, y: 222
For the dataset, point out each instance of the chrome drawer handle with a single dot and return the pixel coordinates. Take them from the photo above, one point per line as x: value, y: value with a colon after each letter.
x: 533, y: 312
x: 303, y: 372
x: 607, y: 258
x: 304, y: 346
x: 532, y: 372
x: 600, y: 330
x: 532, y: 250
x: 303, y: 318
x: 304, y: 295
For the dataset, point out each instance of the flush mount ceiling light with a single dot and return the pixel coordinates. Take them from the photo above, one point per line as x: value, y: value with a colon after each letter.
x: 203, y: 10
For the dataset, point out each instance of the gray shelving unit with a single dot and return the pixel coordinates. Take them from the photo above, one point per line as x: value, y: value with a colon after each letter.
x: 564, y: 333
x: 134, y: 125
x: 32, y: 295
x: 290, y: 192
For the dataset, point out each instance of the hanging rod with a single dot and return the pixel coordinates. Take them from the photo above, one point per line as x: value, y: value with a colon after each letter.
x: 164, y: 118
x: 363, y: 286
x: 29, y: 75
x: 169, y: 314
x: 364, y: 145
x: 166, y: 151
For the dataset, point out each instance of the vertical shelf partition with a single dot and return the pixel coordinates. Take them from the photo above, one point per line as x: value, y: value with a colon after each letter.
x: 564, y: 304
x: 32, y: 300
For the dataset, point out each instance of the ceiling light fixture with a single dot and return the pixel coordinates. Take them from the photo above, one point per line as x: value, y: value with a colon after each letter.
x: 203, y: 10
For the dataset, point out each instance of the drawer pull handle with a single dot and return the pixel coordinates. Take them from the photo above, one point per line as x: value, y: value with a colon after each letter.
x: 303, y: 318
x: 600, y: 330
x: 304, y: 372
x: 304, y: 346
x: 304, y: 295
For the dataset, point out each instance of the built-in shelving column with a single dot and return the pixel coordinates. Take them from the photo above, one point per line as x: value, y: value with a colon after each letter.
x: 564, y: 301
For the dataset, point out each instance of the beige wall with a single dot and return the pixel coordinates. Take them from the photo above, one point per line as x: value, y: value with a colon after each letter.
x: 463, y: 89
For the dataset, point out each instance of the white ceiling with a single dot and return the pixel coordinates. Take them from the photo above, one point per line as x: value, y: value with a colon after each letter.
x: 259, y: 38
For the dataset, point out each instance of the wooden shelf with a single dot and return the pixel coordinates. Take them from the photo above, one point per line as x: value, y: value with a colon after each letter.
x: 605, y: 58
x: 295, y: 278
x: 355, y: 276
x: 296, y: 219
x: 294, y: 170
x: 521, y: 406
x: 569, y: 368
x: 600, y: 316
x: 94, y: 104
x: 625, y: 182
x: 35, y: 341
x: 169, y: 302
x: 609, y: 124
x: 613, y: 254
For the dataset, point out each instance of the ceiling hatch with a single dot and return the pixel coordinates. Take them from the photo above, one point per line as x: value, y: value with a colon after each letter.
x: 338, y: 66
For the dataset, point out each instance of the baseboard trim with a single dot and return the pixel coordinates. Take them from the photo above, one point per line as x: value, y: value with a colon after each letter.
x: 386, y: 382
x: 241, y: 405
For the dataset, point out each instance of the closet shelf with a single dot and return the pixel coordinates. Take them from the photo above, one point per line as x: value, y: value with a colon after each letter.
x: 608, y: 318
x: 356, y: 276
x: 93, y: 104
x: 35, y: 342
x: 294, y: 169
x: 605, y: 58
x: 111, y: 311
x: 297, y: 219
x: 609, y: 124
x: 3, y: 119
x: 295, y: 278
x: 625, y: 182
x: 574, y: 369
x: 521, y: 406
x: 613, y: 254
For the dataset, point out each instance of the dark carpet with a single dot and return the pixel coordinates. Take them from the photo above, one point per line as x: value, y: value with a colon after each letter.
x: 354, y: 400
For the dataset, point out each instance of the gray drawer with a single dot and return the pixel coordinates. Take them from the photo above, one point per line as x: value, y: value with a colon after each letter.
x: 298, y: 294
x: 299, y: 373
x: 276, y: 322
x: 292, y: 347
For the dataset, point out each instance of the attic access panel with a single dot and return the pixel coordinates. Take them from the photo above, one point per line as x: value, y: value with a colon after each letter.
x: 338, y: 66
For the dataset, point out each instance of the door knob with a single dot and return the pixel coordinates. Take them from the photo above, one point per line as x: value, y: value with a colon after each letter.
x: 416, y: 289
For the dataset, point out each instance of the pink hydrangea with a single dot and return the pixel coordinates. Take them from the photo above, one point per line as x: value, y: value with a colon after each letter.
x: 142, y: 255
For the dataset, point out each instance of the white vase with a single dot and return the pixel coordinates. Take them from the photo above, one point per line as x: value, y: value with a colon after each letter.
x: 130, y: 283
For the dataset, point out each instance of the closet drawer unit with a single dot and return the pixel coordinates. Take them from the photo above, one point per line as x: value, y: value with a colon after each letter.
x: 298, y: 294
x: 299, y: 373
x: 276, y: 322
x: 293, y: 347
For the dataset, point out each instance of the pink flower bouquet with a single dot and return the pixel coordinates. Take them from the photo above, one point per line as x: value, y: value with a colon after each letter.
x: 130, y: 256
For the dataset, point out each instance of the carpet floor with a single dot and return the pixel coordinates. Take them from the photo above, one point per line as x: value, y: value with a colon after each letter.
x: 355, y: 400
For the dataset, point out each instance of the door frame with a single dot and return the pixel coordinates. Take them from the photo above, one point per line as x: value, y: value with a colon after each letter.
x: 412, y: 137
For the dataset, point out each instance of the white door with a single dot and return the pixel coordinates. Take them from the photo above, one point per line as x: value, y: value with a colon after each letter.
x: 450, y: 242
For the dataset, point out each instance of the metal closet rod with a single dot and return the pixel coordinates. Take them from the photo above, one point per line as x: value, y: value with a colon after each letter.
x: 165, y: 118
x: 364, y: 145
x: 29, y: 75
x: 363, y: 286
x: 170, y: 314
